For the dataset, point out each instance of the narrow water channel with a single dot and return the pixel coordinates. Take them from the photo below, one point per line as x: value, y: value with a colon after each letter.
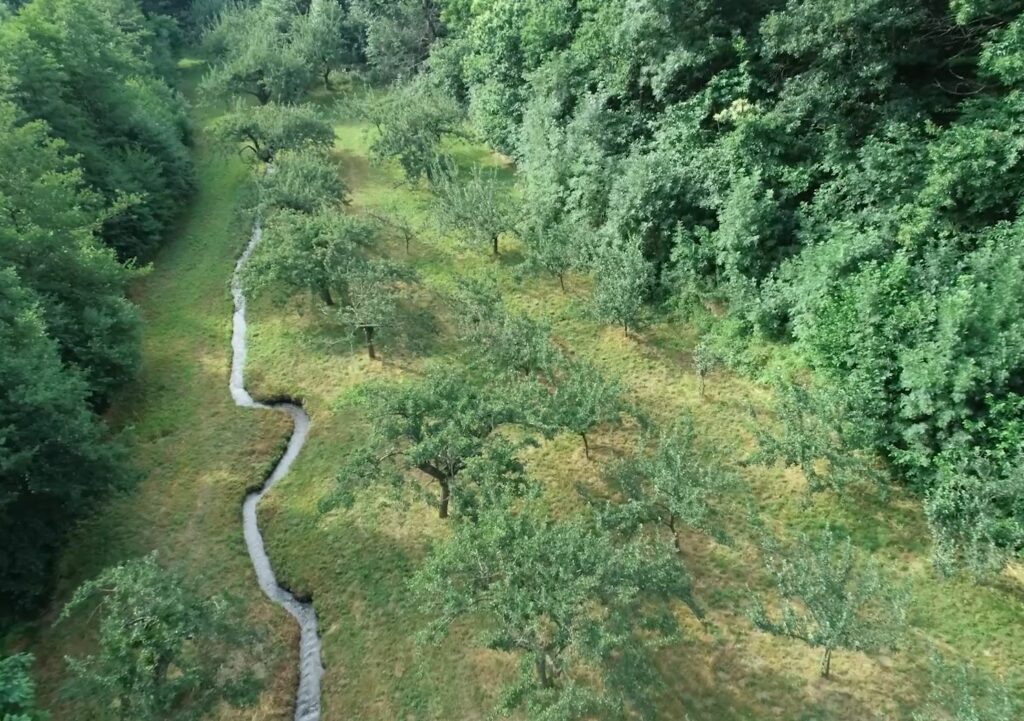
x: 307, y: 701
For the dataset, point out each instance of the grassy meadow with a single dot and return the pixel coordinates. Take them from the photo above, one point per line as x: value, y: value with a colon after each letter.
x: 198, y: 453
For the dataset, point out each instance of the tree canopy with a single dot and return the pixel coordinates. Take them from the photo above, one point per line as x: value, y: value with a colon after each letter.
x: 18, y: 690
x: 88, y: 70
x: 267, y: 129
x: 93, y: 170
x: 163, y: 652
x: 581, y: 611
x: 831, y: 598
x: 437, y: 426
x: 260, y: 55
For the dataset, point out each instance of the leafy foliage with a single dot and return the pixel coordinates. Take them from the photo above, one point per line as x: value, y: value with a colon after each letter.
x: 814, y: 435
x: 478, y: 207
x: 47, y: 234
x: 18, y: 690
x: 259, y: 54
x: 267, y: 129
x: 398, y: 34
x: 501, y: 341
x: 308, y: 252
x: 163, y: 653
x: 329, y: 38
x: 436, y: 425
x: 832, y: 600
x: 581, y: 610
x: 88, y: 71
x: 54, y: 456
x: 411, y: 120
x: 373, y: 290
x: 976, y: 512
x: 581, y: 400
x: 704, y: 361
x: 966, y: 693
x: 303, y: 181
x: 842, y: 175
x: 673, y: 481
x: 623, y: 282
x: 553, y: 249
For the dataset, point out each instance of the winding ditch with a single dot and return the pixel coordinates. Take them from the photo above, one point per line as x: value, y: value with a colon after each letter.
x: 307, y: 701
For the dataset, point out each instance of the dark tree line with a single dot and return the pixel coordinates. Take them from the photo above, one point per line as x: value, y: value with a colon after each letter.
x: 93, y: 170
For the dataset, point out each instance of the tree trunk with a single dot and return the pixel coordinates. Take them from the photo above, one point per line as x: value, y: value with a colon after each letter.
x: 446, y: 494
x: 586, y: 445
x: 368, y: 331
x: 542, y: 671
x: 675, y: 534
x: 826, y: 663
x: 561, y: 281
x: 444, y: 481
x: 327, y: 79
x: 700, y: 376
x: 428, y: 15
x: 625, y: 329
x: 325, y: 295
x: 495, y: 241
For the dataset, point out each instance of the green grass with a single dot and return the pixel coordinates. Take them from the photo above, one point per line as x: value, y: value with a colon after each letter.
x: 199, y: 453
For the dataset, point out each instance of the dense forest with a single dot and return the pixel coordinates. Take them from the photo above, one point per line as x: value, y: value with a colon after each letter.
x: 94, y: 169
x: 824, y: 198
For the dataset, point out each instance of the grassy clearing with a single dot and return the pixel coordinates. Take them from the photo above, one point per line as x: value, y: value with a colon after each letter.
x: 355, y: 563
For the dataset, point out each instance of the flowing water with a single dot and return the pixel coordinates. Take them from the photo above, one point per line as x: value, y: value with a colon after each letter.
x: 307, y: 701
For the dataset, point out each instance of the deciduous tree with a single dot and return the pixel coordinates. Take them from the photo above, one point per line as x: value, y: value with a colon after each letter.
x: 48, y: 224
x: 398, y: 34
x: 258, y: 54
x: 329, y: 39
x: 263, y: 131
x: 966, y: 693
x: 813, y: 434
x: 581, y: 610
x: 437, y: 425
x: 552, y: 248
x: 18, y: 690
x: 55, y: 458
x: 372, y: 292
x: 411, y: 119
x: 976, y: 511
x: 163, y: 652
x: 623, y: 278
x: 831, y: 599
x: 704, y: 361
x: 314, y: 253
x: 500, y: 340
x: 674, y: 481
x: 303, y: 181
x: 582, y: 399
x: 479, y: 208
x: 88, y: 70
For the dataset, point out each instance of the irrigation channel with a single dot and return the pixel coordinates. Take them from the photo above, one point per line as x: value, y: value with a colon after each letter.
x: 307, y: 701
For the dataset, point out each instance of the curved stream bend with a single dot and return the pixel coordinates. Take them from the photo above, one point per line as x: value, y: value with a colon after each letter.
x: 307, y: 702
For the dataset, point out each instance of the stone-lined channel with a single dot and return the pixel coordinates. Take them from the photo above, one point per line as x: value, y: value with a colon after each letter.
x: 307, y: 700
